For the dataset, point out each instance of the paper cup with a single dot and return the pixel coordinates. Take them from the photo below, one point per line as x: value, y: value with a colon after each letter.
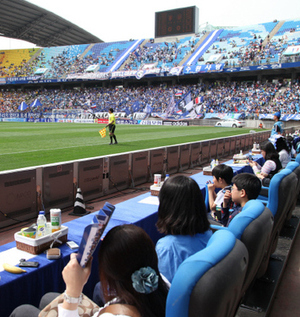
x: 157, y: 179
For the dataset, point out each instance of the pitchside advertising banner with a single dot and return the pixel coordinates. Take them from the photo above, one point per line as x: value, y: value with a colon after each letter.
x: 40, y: 117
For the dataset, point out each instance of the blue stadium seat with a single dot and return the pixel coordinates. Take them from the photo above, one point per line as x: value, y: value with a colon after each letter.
x: 295, y: 168
x: 253, y: 226
x: 206, y: 284
x: 281, y: 194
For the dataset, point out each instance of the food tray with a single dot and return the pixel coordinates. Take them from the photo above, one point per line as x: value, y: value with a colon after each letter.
x: 255, y: 151
x: 240, y: 156
x: 37, y: 246
x: 155, y: 190
x: 207, y: 170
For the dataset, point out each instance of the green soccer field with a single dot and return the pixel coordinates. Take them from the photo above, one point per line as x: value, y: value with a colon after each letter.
x: 32, y: 144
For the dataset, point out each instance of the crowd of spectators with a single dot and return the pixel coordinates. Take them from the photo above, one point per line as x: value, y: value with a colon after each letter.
x: 256, y: 52
x: 243, y: 97
x: 160, y: 54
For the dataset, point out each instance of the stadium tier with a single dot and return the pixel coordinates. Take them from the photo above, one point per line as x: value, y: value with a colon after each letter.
x: 254, y: 45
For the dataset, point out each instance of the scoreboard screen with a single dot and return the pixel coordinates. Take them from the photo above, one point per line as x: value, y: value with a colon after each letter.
x: 176, y: 22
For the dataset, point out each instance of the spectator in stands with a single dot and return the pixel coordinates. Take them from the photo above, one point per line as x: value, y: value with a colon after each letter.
x: 278, y: 126
x: 290, y: 141
x: 271, y: 166
x: 222, y: 177
x: 134, y: 289
x: 245, y: 187
x: 182, y: 218
x: 283, y: 150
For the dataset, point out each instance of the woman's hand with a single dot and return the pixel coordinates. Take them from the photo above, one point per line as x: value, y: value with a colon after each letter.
x: 252, y: 163
x: 75, y: 276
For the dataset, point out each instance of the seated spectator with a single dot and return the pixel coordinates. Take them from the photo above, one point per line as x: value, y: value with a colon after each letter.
x: 271, y: 166
x: 222, y: 177
x: 289, y: 140
x: 134, y: 289
x: 182, y: 217
x: 245, y: 187
x: 283, y: 150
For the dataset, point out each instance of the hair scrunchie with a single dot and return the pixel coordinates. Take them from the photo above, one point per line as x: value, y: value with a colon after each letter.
x: 145, y: 280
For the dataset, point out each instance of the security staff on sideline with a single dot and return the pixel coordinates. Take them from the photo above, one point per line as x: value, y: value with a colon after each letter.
x: 278, y: 126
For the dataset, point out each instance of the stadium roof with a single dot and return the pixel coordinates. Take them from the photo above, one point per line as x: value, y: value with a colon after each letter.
x: 22, y: 20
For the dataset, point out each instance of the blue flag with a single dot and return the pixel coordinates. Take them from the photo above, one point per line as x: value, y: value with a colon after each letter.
x: 135, y: 106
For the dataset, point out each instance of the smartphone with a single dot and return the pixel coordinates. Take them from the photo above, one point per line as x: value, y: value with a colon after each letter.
x: 72, y: 245
x: 28, y: 264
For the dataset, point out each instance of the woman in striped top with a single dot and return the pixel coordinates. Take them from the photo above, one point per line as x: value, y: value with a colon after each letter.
x: 272, y: 163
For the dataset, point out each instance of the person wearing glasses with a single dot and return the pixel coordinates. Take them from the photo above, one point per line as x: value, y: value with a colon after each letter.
x: 245, y: 186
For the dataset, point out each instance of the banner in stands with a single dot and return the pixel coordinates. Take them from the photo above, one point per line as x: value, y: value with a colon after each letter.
x: 292, y: 50
x: 210, y: 68
x: 261, y: 67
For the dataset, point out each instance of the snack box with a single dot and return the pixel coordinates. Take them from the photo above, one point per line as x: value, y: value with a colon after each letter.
x: 155, y: 190
x: 240, y: 157
x: 39, y: 245
x: 244, y: 162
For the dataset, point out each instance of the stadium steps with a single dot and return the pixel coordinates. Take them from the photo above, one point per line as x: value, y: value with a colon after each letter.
x: 124, y: 55
x: 207, y: 42
x: 86, y: 50
x: 196, y: 46
x: 273, y: 32
x: 37, y: 53
x: 128, y: 58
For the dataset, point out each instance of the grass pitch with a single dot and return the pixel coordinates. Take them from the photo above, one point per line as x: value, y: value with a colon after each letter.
x: 32, y: 144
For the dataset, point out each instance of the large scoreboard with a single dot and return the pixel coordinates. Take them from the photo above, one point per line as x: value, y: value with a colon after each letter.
x: 176, y: 22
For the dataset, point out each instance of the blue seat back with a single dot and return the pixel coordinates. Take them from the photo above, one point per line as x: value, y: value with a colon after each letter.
x: 253, y: 226
x: 206, y: 284
x: 281, y: 194
x: 298, y: 158
x: 274, y: 191
x: 295, y: 168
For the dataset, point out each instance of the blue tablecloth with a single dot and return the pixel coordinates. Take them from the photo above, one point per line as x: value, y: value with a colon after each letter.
x: 29, y: 287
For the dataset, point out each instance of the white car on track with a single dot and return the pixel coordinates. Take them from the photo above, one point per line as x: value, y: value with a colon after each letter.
x: 231, y: 123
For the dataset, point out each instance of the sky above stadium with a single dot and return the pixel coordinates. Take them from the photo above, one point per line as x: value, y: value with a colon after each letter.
x: 134, y: 19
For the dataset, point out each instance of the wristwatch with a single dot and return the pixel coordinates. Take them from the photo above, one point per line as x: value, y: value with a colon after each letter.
x: 72, y: 300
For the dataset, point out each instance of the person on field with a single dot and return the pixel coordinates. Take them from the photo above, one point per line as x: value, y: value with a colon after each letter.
x: 112, y: 126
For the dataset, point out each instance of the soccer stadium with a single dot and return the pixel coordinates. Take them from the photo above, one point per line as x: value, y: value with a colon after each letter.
x: 96, y: 134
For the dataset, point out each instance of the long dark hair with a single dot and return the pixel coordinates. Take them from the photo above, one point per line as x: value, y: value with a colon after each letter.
x: 181, y: 207
x: 271, y: 153
x: 124, y: 250
x: 281, y: 144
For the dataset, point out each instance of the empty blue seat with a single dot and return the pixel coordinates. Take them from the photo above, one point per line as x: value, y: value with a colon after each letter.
x: 281, y: 194
x: 295, y: 168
